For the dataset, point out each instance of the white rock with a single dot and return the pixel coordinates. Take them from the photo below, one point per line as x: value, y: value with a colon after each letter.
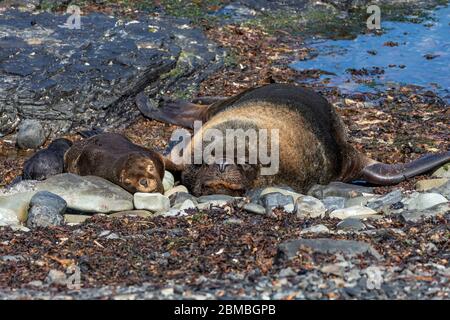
x: 355, y: 211
x: 188, y: 204
x: 307, y: 206
x: 88, y: 193
x: 154, y: 202
x: 168, y: 181
x: 422, y: 201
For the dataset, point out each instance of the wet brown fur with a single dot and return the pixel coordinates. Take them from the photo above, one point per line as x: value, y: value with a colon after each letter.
x: 115, y: 158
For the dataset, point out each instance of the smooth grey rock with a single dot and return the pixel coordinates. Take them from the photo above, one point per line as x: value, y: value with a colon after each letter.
x: 31, y: 134
x: 275, y: 200
x: 355, y: 211
x: 14, y: 207
x: 357, y: 201
x: 320, y: 228
x: 386, y: 200
x: 19, y: 187
x: 289, y: 249
x: 351, y: 224
x: 255, y: 194
x: 46, y: 209
x: 168, y: 181
x: 56, y: 277
x: 310, y: 207
x: 76, y: 218
x: 417, y: 215
x: 333, y: 203
x: 154, y: 202
x: 9, y: 258
x: 254, y: 208
x: 338, y: 189
x: 88, y: 193
x: 422, y: 201
x: 215, y: 197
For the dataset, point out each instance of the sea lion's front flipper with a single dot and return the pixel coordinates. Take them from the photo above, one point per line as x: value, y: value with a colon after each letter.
x: 180, y: 113
x: 387, y: 174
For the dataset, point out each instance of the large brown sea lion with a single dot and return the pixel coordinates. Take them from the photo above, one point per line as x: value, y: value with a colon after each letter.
x: 313, y: 145
x: 115, y: 158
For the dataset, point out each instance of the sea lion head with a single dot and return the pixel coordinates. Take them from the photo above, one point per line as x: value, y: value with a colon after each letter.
x: 140, y: 173
x: 221, y: 177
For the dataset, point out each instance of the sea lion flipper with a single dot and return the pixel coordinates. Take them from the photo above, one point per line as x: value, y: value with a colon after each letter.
x: 387, y: 174
x: 178, y: 112
x: 208, y: 100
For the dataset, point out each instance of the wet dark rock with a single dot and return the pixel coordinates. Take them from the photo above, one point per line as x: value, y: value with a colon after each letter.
x: 289, y: 249
x: 338, y: 189
x: 46, y: 209
x: 90, y: 76
x: 31, y: 134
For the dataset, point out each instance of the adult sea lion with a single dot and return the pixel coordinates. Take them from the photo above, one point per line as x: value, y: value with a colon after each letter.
x: 115, y: 158
x: 47, y: 162
x: 313, y: 145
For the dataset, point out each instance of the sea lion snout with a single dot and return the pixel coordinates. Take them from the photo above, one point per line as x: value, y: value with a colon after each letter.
x: 139, y: 174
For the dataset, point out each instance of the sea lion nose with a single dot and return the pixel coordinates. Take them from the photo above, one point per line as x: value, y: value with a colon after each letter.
x: 222, y: 164
x: 143, y: 182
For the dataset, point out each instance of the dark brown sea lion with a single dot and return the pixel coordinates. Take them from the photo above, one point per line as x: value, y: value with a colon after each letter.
x: 115, y: 158
x: 313, y: 145
x: 47, y: 162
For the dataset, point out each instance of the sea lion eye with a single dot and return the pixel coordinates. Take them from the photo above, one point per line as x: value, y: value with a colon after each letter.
x: 143, y: 182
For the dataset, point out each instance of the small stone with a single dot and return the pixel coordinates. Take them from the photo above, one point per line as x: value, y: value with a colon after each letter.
x: 442, y: 172
x: 310, y: 207
x: 12, y: 258
x: 383, y: 202
x: 287, y: 272
x: 355, y: 211
x: 338, y: 189
x: 179, y: 188
x: 351, y: 224
x: 177, y: 199
x: 215, y: 197
x: 132, y: 213
x: 168, y: 181
x: 276, y: 200
x: 30, y: 135
x: 428, y: 184
x: 333, y: 203
x: 357, y: 201
x: 320, y: 228
x: 422, y: 201
x: 56, y: 277
x: 233, y: 221
x: 283, y: 191
x: 188, y: 204
x: 46, y: 209
x: 254, y: 208
x: 417, y: 215
x: 154, y: 202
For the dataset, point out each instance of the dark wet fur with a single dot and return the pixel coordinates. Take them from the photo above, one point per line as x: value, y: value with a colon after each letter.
x: 47, y: 162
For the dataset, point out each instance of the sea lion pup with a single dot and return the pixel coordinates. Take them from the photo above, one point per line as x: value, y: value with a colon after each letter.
x: 47, y: 162
x: 313, y: 145
x: 115, y: 158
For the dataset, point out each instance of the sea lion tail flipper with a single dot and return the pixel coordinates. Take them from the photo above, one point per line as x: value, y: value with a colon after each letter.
x: 179, y: 112
x: 387, y: 174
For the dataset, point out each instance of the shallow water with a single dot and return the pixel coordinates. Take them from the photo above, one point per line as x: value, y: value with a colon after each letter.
x: 402, y: 64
